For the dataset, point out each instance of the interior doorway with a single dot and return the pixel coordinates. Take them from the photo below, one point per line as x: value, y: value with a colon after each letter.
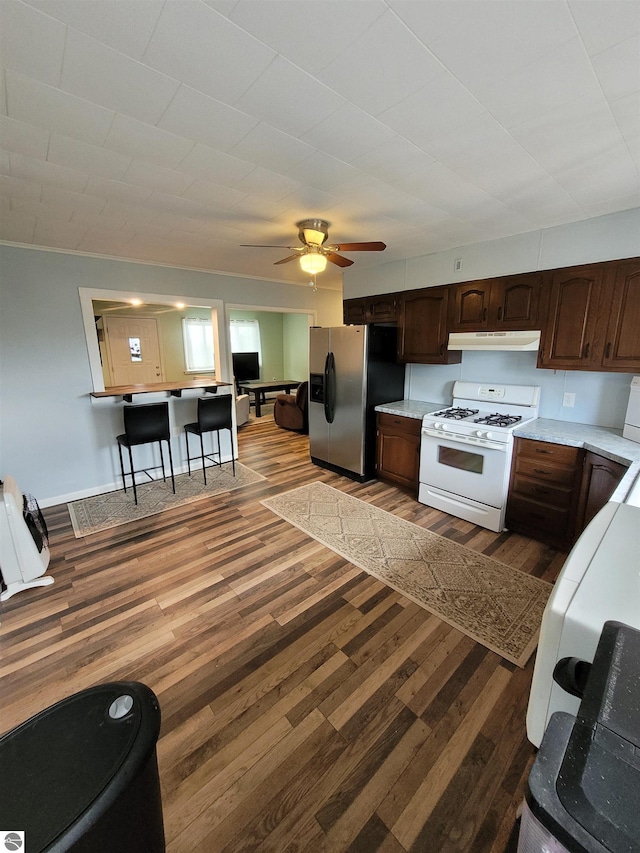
x: 132, y: 347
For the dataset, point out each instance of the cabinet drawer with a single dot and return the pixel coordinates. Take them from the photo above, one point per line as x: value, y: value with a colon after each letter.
x: 538, y: 469
x: 549, y: 521
x: 546, y: 450
x: 548, y: 493
x: 398, y: 423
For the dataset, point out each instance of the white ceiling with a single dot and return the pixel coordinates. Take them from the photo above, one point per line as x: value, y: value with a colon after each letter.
x: 175, y: 131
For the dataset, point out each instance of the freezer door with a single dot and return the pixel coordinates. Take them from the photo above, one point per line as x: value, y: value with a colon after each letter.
x: 346, y: 439
x: 318, y: 362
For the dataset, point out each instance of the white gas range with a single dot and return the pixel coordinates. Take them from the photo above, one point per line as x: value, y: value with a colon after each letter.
x: 466, y: 450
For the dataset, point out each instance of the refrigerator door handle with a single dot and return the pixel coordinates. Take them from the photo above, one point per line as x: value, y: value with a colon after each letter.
x: 330, y: 388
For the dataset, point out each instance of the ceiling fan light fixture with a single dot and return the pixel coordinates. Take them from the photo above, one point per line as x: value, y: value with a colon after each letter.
x: 313, y: 263
x: 313, y: 232
x: 313, y: 237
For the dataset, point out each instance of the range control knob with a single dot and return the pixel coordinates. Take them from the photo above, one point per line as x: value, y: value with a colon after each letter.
x: 444, y: 427
x: 479, y: 433
x: 489, y: 435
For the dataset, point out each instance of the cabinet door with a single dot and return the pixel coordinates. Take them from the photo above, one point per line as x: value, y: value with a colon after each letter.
x: 569, y: 334
x: 622, y: 346
x: 422, y: 327
x: 353, y: 311
x: 514, y: 302
x: 471, y: 306
x: 398, y: 458
x: 382, y: 309
x: 600, y: 476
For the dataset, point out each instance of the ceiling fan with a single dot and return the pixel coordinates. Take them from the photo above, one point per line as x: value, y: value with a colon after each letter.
x: 314, y: 254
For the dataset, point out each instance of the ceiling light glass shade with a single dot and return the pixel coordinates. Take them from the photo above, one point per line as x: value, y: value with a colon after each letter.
x: 313, y: 263
x: 316, y: 238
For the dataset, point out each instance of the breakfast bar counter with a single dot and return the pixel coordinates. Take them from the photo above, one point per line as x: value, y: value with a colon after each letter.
x: 210, y: 386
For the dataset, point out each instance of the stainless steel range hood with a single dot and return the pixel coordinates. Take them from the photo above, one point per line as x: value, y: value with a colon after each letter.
x: 495, y: 341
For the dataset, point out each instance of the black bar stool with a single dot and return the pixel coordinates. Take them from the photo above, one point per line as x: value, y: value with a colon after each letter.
x: 145, y: 424
x: 214, y: 414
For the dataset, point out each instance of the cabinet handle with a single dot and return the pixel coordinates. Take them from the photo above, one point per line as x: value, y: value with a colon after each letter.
x: 484, y: 313
x: 441, y: 349
x: 607, y: 351
x: 500, y: 313
x: 540, y: 471
x: 542, y: 450
x: 586, y: 350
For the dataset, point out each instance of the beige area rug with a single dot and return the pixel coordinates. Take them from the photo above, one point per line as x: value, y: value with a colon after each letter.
x: 499, y: 606
x: 114, y: 508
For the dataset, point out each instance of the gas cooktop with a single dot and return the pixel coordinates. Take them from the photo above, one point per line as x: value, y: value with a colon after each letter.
x: 501, y: 420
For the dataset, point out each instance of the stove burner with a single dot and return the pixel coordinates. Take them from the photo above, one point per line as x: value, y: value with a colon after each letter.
x: 498, y: 420
x: 456, y: 414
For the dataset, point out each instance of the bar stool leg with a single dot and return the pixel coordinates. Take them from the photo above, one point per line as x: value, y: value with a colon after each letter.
x: 133, y: 476
x: 164, y: 475
x: 204, y: 470
x: 173, y: 482
x: 186, y: 438
x: 124, y: 482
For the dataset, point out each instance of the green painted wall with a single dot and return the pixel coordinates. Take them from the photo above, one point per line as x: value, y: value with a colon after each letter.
x: 284, y: 340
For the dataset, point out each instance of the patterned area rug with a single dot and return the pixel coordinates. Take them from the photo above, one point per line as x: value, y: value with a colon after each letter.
x: 499, y: 606
x: 114, y: 508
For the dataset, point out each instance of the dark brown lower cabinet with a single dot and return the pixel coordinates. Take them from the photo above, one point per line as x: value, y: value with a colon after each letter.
x: 544, y: 491
x: 600, y: 476
x: 556, y: 490
x: 398, y: 459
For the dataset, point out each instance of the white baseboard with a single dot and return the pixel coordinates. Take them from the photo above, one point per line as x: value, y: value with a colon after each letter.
x: 113, y: 487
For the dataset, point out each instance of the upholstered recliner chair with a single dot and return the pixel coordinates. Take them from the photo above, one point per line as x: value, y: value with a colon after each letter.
x: 242, y: 409
x: 290, y: 411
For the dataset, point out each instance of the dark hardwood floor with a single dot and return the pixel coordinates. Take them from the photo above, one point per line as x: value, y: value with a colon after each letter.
x: 305, y: 706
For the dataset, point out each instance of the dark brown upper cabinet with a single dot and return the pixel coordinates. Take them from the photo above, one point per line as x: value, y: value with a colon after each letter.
x: 508, y: 303
x: 423, y: 327
x: 622, y: 341
x: 593, y: 320
x: 569, y: 336
x: 382, y: 308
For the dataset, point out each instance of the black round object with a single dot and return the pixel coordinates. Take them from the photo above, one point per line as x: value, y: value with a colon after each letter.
x: 82, y: 775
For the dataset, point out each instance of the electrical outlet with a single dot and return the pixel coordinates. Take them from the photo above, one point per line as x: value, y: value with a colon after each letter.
x: 457, y: 265
x: 569, y: 400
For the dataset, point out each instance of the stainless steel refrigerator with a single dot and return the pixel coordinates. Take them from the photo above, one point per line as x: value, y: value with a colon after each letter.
x: 352, y: 369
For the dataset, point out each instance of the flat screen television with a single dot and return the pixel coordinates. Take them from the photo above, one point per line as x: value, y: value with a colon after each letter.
x: 245, y: 366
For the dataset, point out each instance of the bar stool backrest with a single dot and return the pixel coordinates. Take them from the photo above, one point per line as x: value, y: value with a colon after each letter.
x: 147, y: 422
x: 215, y: 412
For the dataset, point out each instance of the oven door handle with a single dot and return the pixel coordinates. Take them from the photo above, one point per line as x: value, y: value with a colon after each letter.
x: 474, y: 442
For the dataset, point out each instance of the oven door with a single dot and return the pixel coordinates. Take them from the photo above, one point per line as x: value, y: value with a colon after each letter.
x: 477, y: 472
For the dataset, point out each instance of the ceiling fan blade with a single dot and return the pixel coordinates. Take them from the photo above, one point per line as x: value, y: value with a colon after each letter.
x: 287, y: 259
x: 337, y: 259
x: 375, y: 246
x: 260, y: 246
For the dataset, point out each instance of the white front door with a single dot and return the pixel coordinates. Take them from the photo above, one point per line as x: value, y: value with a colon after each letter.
x: 133, y: 345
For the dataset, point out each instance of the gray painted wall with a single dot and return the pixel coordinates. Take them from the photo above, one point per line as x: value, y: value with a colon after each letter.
x: 54, y: 440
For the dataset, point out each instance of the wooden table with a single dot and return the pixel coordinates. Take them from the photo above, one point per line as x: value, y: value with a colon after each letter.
x: 259, y: 389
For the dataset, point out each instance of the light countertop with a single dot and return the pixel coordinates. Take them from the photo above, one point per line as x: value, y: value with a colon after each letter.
x: 411, y: 408
x: 606, y: 441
